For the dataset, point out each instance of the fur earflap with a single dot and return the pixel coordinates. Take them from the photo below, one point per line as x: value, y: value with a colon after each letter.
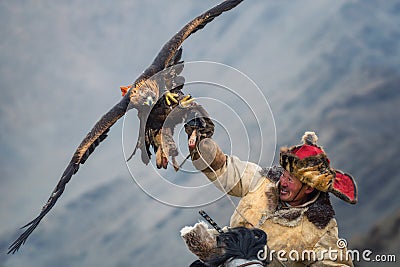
x: 309, y: 138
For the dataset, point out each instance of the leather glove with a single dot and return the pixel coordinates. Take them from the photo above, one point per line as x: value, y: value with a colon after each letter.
x: 207, y: 156
x: 205, y: 153
x: 197, y: 129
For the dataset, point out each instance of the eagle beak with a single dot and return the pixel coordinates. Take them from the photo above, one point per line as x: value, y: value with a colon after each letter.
x: 125, y: 89
x: 149, y: 101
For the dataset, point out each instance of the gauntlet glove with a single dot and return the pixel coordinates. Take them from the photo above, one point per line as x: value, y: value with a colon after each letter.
x: 205, y: 153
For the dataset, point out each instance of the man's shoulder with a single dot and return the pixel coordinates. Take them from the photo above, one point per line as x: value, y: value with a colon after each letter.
x: 272, y: 173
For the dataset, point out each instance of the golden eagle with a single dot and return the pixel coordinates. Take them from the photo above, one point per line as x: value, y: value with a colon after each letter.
x: 140, y: 95
x: 169, y: 111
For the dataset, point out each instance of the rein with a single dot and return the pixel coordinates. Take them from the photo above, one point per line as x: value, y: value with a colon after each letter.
x: 250, y: 263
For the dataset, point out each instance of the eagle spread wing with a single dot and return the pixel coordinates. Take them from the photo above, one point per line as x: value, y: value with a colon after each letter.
x: 136, y: 97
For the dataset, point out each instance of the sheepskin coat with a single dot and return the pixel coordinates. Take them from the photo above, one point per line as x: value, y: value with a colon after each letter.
x: 305, y: 235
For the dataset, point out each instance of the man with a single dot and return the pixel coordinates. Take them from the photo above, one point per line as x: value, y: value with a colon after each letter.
x: 289, y: 202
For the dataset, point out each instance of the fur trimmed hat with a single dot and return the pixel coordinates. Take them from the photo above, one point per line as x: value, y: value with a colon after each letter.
x: 310, y: 164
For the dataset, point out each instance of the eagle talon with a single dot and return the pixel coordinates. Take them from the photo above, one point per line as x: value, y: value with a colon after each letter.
x: 186, y: 101
x: 171, y: 97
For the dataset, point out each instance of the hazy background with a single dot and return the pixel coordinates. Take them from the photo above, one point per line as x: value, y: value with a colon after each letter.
x: 328, y: 66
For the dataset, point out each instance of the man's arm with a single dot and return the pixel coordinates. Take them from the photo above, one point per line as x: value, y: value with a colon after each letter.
x: 228, y: 173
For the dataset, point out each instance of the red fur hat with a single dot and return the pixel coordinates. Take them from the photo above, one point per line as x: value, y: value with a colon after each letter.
x: 310, y: 164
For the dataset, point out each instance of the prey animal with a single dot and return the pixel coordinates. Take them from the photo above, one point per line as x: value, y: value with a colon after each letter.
x: 141, y: 95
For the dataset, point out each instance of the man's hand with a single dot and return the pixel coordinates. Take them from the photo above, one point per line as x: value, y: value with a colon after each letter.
x: 205, y: 153
x: 199, y: 128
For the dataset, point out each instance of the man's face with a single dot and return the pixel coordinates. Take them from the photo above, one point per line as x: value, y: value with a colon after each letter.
x: 291, y: 190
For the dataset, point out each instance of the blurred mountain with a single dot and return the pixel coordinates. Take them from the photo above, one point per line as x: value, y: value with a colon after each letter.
x: 328, y: 66
x: 380, y: 240
x: 130, y: 231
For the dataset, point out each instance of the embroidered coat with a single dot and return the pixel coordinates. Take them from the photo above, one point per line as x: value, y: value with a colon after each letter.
x: 297, y: 236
